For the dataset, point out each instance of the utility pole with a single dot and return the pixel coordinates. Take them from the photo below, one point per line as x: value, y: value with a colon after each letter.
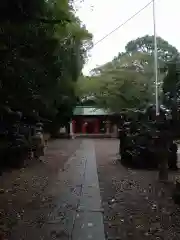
x: 155, y: 60
x: 162, y: 148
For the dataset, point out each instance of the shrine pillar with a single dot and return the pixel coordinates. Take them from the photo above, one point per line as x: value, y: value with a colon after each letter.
x: 84, y: 125
x: 96, y: 127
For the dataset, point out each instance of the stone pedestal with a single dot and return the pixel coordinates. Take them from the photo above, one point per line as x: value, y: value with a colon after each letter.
x: 72, y: 128
x: 115, y: 131
x: 107, y: 127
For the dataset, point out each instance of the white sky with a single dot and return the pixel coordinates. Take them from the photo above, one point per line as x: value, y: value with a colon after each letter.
x: 102, y: 16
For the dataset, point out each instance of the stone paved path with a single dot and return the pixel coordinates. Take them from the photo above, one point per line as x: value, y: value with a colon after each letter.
x: 79, y: 205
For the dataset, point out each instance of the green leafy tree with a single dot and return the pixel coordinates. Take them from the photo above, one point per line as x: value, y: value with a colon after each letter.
x: 128, y: 80
x: 145, y: 44
x: 171, y: 87
x: 42, y: 51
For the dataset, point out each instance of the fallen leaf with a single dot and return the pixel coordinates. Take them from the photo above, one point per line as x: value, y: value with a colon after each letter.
x: 2, y: 191
x: 154, y: 207
x: 90, y: 224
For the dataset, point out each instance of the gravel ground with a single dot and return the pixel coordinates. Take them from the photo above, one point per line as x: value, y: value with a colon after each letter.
x: 136, y: 206
x: 26, y: 194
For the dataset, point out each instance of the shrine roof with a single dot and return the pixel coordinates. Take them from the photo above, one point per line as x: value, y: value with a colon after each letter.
x: 90, y: 111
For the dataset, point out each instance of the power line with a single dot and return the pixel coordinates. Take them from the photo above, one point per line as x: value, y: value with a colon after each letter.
x: 122, y: 24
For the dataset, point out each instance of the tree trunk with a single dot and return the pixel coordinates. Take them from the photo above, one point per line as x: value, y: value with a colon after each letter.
x: 119, y: 147
x: 163, y: 171
x: 163, y: 166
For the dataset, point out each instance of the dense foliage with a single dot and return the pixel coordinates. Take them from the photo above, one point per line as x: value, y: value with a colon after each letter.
x: 171, y: 91
x: 128, y: 80
x: 171, y: 84
x: 42, y: 51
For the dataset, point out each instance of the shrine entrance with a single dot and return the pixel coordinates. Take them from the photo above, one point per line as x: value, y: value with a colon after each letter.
x: 91, y: 121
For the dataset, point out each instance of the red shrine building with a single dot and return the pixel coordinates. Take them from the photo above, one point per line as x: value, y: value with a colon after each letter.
x: 92, y: 120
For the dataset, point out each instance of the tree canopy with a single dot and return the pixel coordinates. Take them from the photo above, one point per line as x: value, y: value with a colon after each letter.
x: 128, y: 80
x: 42, y: 51
x: 145, y: 44
x: 171, y: 84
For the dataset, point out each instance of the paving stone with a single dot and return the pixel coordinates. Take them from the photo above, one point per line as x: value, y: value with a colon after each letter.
x: 61, y: 220
x: 88, y: 225
x: 90, y: 203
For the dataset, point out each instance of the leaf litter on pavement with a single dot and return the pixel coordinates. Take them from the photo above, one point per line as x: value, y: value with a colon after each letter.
x: 136, y: 205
